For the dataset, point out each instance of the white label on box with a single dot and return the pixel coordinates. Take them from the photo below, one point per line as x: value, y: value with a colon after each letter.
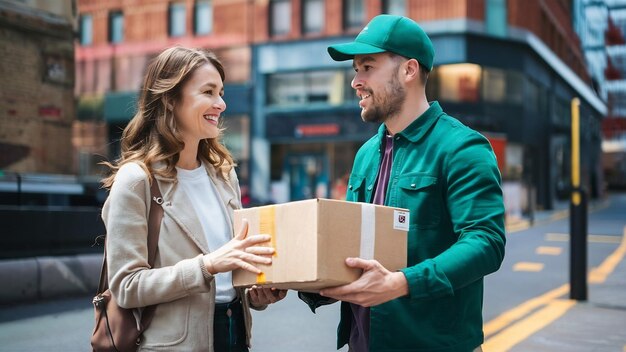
x: 401, y: 220
x: 368, y: 231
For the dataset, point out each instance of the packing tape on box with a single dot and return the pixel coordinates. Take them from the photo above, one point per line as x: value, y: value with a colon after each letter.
x: 368, y: 231
x: 267, y: 226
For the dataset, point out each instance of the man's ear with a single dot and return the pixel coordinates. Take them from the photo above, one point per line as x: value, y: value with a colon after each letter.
x: 411, y: 70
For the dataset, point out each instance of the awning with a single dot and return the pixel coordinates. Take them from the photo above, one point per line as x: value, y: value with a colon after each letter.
x: 119, y: 107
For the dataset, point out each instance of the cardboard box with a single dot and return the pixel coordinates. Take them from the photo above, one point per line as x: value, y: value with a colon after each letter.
x: 313, y: 238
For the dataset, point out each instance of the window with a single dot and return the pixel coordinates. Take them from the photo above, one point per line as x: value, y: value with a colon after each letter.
x: 86, y: 29
x: 353, y: 14
x: 459, y: 82
x: 349, y: 94
x: 561, y: 112
x: 280, y: 17
x: 494, y: 85
x: 286, y: 89
x: 501, y: 86
x: 203, y: 17
x: 394, y: 7
x: 320, y: 85
x: 116, y: 27
x: 300, y: 88
x: 177, y: 25
x: 312, y: 16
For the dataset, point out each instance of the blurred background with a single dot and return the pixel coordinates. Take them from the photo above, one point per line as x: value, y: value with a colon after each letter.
x: 71, y: 71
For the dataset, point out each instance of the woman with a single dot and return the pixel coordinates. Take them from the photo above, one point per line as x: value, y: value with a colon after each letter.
x: 174, y: 139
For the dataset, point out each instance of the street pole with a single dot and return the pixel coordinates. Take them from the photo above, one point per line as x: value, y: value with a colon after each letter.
x: 578, y: 217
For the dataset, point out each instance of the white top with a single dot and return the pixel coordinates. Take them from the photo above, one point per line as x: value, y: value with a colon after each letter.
x: 212, y: 215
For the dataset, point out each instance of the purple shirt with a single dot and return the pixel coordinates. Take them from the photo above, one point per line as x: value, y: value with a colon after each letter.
x: 360, y: 329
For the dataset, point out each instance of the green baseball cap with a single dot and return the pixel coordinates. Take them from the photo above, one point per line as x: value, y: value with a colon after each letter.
x: 396, y: 34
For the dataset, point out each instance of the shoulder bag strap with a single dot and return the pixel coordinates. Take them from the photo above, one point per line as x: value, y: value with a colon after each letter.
x: 154, y: 228
x: 154, y: 220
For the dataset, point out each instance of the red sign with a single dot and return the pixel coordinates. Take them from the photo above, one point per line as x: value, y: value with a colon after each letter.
x: 499, y: 148
x: 326, y: 129
x: 50, y: 112
x: 613, y: 127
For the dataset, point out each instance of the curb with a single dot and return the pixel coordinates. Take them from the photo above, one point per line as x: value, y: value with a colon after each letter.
x: 37, y: 278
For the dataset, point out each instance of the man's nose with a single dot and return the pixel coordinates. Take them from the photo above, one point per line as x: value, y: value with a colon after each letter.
x: 357, y: 82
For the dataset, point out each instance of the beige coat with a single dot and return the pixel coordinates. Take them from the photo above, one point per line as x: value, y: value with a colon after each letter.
x: 179, y: 282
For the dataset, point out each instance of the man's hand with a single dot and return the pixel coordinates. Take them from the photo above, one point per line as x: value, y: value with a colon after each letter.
x: 376, y: 285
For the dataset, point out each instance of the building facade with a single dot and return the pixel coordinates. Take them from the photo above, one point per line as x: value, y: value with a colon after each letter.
x: 602, y: 28
x: 117, y: 39
x: 508, y: 69
x: 37, y: 70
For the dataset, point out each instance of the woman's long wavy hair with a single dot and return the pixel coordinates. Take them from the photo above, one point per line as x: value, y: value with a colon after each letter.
x: 151, y: 137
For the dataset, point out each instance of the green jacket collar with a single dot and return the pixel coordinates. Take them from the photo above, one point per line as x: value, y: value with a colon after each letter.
x: 418, y: 128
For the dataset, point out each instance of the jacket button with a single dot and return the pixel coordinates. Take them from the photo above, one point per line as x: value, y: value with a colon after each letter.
x: 369, y: 188
x: 350, y: 187
x: 397, y: 137
x: 413, y: 185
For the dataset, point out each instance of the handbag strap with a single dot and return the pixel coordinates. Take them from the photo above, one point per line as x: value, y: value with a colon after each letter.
x: 154, y: 227
x: 154, y: 221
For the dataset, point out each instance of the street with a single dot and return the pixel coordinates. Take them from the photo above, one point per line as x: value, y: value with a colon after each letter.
x: 536, y: 265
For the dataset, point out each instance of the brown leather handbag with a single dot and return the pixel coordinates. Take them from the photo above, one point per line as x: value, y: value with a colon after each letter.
x: 116, y: 328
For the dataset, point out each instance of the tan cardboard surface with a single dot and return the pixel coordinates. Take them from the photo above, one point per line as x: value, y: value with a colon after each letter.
x: 313, y: 237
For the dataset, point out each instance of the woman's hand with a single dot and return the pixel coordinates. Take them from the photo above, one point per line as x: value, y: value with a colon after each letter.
x: 240, y: 252
x: 261, y: 296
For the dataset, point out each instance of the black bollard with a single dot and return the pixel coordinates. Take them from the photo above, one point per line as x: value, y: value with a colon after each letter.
x: 578, y: 245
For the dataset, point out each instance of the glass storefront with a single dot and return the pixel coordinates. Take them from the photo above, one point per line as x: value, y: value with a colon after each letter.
x: 311, y: 170
x: 328, y: 87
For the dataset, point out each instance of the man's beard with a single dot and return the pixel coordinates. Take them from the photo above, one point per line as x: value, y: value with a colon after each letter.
x: 389, y: 106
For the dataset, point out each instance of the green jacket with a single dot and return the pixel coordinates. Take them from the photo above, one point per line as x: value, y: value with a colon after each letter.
x: 447, y: 176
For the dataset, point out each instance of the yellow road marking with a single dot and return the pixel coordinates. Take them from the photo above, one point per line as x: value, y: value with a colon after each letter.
x: 564, y: 237
x: 559, y: 215
x: 519, y: 331
x: 548, y: 250
x: 599, y: 274
x: 523, y: 309
x: 517, y: 226
x: 528, y: 266
x: 499, y: 343
x: 523, y: 224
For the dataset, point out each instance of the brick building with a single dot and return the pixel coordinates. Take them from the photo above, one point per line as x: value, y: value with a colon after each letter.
x: 36, y: 97
x: 506, y: 68
x: 116, y: 41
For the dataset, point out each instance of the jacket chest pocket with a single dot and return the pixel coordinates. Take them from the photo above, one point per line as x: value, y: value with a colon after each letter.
x: 357, y: 190
x: 420, y: 194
